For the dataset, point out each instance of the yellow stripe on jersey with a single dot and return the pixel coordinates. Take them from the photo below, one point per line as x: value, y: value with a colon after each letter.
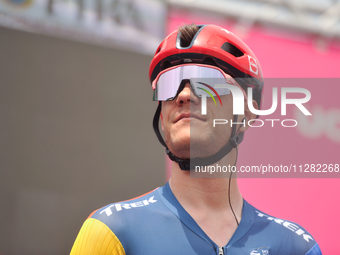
x: 95, y: 238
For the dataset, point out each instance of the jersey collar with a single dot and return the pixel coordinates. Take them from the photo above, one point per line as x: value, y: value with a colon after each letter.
x: 172, y: 203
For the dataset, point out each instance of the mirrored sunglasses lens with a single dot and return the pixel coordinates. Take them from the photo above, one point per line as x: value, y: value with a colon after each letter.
x: 204, y: 82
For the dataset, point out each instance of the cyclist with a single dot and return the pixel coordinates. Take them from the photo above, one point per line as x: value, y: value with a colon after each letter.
x: 196, y: 215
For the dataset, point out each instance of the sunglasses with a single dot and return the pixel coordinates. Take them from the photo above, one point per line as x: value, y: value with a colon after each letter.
x: 205, y: 80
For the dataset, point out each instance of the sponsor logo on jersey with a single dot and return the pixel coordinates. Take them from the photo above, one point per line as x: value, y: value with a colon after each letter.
x: 291, y: 226
x: 260, y: 251
x: 127, y: 206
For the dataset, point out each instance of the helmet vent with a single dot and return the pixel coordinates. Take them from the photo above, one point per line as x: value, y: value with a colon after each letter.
x: 159, y: 48
x: 187, y: 35
x: 232, y: 49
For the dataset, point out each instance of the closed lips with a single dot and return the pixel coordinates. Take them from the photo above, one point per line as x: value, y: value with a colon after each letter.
x: 187, y: 115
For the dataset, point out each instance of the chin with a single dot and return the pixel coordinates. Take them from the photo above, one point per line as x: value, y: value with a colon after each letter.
x: 180, y: 150
x: 194, y: 146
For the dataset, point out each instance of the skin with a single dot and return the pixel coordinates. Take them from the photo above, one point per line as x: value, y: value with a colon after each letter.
x: 205, y: 199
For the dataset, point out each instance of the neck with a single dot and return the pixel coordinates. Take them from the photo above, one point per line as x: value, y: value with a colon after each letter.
x: 208, y: 194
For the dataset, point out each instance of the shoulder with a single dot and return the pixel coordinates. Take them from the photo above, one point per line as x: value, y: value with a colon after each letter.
x: 106, y: 228
x: 128, y: 211
x: 286, y: 236
x: 133, y: 205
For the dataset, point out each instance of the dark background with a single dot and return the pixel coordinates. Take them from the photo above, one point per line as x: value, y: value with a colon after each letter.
x: 75, y: 135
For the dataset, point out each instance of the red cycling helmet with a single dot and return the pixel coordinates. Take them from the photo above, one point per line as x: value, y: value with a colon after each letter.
x: 216, y: 46
x: 212, y: 45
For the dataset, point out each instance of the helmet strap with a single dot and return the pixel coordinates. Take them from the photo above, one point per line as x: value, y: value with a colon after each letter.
x: 189, y: 164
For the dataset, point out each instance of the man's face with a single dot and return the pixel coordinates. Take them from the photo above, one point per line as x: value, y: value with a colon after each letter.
x: 188, y: 133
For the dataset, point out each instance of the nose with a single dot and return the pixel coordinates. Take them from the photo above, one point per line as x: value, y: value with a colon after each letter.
x: 187, y: 95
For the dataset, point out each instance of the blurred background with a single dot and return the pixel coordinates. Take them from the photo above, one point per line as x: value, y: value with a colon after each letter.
x: 76, y: 110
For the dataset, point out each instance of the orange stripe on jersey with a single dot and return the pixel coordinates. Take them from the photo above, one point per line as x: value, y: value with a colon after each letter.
x: 94, y: 212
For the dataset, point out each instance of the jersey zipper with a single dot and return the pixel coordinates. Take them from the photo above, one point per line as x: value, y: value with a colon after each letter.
x: 220, y: 249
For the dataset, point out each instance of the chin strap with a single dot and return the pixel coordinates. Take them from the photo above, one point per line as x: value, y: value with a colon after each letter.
x: 189, y: 164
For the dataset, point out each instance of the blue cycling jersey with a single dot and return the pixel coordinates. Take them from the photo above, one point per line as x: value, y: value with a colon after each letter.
x: 156, y: 223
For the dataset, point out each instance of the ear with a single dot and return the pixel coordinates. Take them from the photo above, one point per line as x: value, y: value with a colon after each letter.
x: 248, y: 115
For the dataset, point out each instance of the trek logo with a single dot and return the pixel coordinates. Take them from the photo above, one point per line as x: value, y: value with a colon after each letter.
x: 204, y: 97
x: 291, y: 226
x: 238, y: 100
x: 127, y: 206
